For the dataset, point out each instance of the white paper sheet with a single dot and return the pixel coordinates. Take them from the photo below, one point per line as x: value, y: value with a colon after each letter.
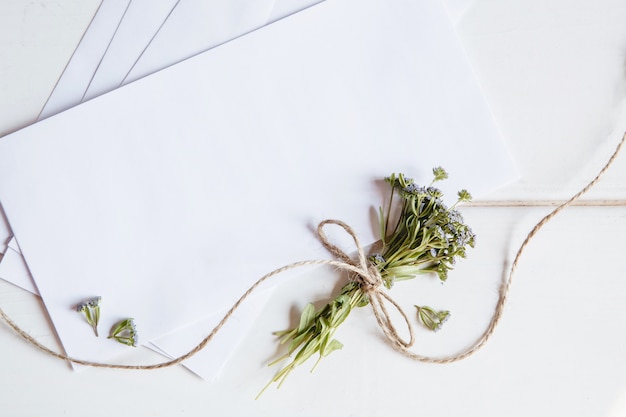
x: 456, y: 8
x: 187, y: 32
x: 140, y: 23
x: 75, y: 79
x: 126, y: 35
x: 72, y: 87
x: 243, y: 123
x: 73, y: 83
x: 209, y: 362
x: 108, y: 72
x: 13, y: 266
x: 283, y: 8
x: 5, y: 232
x: 196, y: 26
x: 134, y: 29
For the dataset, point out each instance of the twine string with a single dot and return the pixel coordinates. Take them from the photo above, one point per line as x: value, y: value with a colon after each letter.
x: 371, y: 282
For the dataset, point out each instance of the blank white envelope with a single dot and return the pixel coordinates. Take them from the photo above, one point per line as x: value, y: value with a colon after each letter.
x: 72, y: 85
x: 237, y: 153
x: 140, y: 23
x: 195, y: 26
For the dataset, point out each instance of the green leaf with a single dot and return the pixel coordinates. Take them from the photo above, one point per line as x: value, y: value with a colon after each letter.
x: 382, y: 223
x: 340, y: 315
x: 324, y: 341
x: 118, y: 328
x: 88, y: 315
x: 307, y: 317
x: 331, y: 347
x: 299, y: 339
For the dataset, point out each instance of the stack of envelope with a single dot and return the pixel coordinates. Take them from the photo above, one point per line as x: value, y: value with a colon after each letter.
x: 168, y: 193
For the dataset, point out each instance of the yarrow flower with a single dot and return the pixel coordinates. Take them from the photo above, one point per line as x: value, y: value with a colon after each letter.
x: 436, y: 193
x: 428, y: 236
x: 412, y: 188
x: 432, y: 318
x: 91, y: 308
x: 125, y: 332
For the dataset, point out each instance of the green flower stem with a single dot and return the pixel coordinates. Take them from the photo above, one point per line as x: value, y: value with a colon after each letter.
x: 93, y: 319
x: 314, y: 334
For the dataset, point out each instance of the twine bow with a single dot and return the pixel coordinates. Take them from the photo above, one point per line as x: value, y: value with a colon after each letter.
x: 369, y: 279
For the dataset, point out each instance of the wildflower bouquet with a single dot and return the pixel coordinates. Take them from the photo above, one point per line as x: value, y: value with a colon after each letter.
x: 426, y: 238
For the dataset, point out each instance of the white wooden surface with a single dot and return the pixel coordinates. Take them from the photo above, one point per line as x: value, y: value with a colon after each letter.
x: 554, y: 74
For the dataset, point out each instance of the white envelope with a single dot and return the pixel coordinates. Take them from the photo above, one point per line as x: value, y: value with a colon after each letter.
x: 195, y: 26
x: 81, y: 71
x: 75, y: 79
x: 139, y: 25
x: 283, y: 8
x: 133, y: 33
x: 5, y: 233
x: 237, y: 153
x: 211, y: 360
x: 73, y: 83
x: 134, y: 30
x: 457, y: 8
x: 14, y: 267
x: 126, y: 29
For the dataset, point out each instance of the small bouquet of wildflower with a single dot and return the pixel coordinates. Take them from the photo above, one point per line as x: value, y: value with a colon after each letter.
x: 427, y: 237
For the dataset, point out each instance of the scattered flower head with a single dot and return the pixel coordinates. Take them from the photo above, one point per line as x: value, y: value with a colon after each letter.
x: 125, y: 332
x: 91, y: 308
x: 432, y: 318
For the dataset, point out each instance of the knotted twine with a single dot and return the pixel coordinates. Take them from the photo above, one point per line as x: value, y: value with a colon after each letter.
x: 370, y: 281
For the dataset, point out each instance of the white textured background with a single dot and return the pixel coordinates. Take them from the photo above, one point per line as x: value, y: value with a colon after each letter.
x: 554, y: 73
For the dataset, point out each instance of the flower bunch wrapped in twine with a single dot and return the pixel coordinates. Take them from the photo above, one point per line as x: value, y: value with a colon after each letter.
x: 368, y: 278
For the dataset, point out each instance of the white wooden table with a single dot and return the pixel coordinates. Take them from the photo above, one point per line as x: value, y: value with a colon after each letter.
x: 554, y: 74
